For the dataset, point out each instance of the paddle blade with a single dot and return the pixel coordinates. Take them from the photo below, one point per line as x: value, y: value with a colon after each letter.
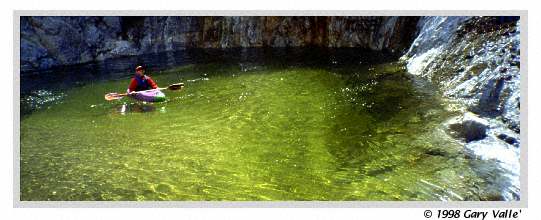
x: 113, y: 96
x: 175, y: 86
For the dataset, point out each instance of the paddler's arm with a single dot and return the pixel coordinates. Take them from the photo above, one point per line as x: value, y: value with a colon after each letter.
x: 152, y: 83
x: 132, y: 86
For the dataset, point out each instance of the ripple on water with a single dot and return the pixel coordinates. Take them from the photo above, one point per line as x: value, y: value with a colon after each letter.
x: 39, y: 99
x: 265, y: 134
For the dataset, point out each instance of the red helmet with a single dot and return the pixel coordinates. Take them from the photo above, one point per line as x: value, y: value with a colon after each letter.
x: 139, y: 68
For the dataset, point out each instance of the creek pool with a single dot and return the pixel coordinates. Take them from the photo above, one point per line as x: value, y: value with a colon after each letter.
x: 250, y: 132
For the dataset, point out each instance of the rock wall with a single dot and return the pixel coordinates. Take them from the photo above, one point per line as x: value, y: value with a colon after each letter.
x: 55, y: 40
x: 476, y: 62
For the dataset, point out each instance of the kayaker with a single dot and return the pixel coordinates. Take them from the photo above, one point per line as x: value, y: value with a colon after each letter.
x: 140, y: 81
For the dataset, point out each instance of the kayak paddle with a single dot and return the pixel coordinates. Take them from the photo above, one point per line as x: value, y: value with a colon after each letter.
x: 117, y: 96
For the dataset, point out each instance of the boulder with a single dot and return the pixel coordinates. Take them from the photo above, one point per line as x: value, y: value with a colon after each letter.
x: 468, y: 127
x: 489, y: 103
x: 508, y: 139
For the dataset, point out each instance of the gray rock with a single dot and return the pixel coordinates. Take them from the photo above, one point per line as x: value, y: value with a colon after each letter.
x: 47, y: 63
x: 486, y: 83
x: 508, y: 139
x: 31, y: 51
x: 123, y: 48
x: 475, y: 62
x: 112, y: 22
x: 489, y: 103
x: 468, y: 127
x: 71, y: 40
x: 93, y: 36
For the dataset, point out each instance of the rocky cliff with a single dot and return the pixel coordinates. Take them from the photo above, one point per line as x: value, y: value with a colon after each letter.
x: 474, y: 60
x: 476, y: 63
x: 55, y: 40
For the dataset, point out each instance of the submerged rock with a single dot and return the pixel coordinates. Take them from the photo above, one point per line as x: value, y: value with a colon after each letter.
x: 468, y: 127
x: 476, y: 62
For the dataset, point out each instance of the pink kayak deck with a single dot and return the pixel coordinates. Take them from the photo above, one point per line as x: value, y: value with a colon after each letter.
x: 154, y: 95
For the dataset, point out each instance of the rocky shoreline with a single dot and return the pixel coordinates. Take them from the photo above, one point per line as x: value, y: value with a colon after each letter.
x: 476, y: 63
x: 64, y: 40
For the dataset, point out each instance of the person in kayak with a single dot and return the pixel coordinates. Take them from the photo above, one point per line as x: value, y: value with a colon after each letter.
x: 140, y: 81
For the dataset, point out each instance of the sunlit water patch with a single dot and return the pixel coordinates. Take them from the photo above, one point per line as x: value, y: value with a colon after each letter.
x: 251, y: 132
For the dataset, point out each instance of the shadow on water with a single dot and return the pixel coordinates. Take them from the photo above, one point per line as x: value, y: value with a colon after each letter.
x: 68, y: 76
x: 376, y: 95
x: 383, y: 91
x: 384, y: 124
x: 45, y: 87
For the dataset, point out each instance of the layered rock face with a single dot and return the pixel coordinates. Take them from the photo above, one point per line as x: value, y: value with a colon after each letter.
x: 53, y: 41
x: 476, y: 62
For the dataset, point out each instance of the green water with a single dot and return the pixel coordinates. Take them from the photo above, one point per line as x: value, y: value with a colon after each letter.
x: 245, y: 134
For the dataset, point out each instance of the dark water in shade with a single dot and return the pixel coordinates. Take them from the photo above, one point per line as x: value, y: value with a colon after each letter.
x: 249, y: 125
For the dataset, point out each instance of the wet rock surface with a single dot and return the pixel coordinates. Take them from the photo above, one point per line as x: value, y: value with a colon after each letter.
x: 54, y: 41
x: 472, y: 62
x: 476, y: 62
x: 468, y: 127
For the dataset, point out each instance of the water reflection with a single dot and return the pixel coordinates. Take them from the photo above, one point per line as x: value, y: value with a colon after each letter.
x: 65, y: 77
x: 264, y: 134
x: 134, y: 107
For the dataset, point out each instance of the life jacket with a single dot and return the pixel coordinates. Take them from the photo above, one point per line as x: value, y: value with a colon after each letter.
x: 142, y: 83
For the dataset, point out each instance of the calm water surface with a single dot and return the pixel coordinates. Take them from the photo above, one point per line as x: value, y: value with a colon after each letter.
x: 246, y: 130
